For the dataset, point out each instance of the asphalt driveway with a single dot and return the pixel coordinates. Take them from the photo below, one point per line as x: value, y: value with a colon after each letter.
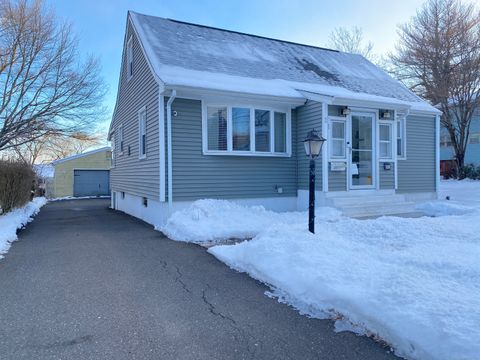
x: 86, y: 282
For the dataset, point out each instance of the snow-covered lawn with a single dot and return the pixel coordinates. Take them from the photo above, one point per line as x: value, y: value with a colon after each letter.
x: 412, y: 282
x: 16, y: 219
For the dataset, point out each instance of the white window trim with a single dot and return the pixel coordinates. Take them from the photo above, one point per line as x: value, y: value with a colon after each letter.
x: 251, y: 152
x: 140, y: 112
x: 120, y: 140
x: 332, y: 119
x: 129, y: 58
x: 403, y: 122
x: 390, y: 124
x: 113, y: 148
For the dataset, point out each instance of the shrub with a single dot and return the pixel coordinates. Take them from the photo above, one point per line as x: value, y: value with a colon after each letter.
x: 469, y: 171
x: 16, y: 184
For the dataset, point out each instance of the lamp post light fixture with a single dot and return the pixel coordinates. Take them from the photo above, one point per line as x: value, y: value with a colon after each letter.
x: 313, y: 146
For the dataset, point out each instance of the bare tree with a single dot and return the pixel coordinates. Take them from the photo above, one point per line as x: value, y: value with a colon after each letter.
x: 44, y: 87
x: 351, y: 41
x: 438, y: 57
x: 54, y: 146
x: 59, y: 147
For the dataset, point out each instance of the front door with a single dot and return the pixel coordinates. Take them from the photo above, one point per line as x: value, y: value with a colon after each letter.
x: 362, y: 155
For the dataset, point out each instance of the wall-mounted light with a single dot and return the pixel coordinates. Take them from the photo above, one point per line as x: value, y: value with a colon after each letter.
x: 385, y: 114
x: 345, y: 111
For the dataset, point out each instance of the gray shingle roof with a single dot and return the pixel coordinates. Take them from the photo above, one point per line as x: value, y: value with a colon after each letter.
x: 200, y: 56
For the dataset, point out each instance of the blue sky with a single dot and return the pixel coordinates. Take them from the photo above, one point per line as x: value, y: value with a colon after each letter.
x: 100, y: 24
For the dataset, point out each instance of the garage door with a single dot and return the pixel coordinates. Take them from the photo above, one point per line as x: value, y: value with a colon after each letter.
x: 91, y: 182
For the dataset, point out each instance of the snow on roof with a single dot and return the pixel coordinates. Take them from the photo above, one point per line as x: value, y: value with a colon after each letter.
x: 184, y: 54
x: 59, y: 161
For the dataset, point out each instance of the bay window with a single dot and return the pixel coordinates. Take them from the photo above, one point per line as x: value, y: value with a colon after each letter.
x: 239, y: 130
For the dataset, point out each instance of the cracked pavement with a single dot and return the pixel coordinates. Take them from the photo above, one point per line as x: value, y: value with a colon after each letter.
x: 86, y: 282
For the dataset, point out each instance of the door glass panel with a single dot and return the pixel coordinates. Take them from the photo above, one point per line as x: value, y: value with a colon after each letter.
x: 361, y: 167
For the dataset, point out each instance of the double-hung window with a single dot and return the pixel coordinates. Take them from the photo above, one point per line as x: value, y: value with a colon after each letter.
x: 130, y: 58
x: 401, y: 133
x: 120, y: 139
x: 142, y: 133
x: 385, y: 140
x: 337, y: 139
x: 112, y: 141
x: 243, y: 130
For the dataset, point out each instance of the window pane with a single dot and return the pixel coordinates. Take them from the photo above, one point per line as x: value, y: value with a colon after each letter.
x: 338, y: 139
x: 262, y: 130
x: 217, y: 128
x: 362, y: 132
x: 399, y: 147
x: 280, y: 132
x: 338, y: 148
x: 338, y: 130
x: 385, y: 132
x: 241, y: 129
x: 143, y: 139
x: 385, y: 150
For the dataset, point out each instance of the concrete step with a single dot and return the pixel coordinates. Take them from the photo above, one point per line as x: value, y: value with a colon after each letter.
x: 374, y: 209
x: 353, y: 200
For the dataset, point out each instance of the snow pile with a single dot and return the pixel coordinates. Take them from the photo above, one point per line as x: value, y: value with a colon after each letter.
x: 216, y: 220
x: 443, y: 208
x: 414, y: 283
x: 465, y: 192
x: 464, y: 198
x: 16, y: 219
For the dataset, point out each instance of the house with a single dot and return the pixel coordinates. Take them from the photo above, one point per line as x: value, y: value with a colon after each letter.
x: 86, y: 174
x: 472, y: 155
x: 203, y: 112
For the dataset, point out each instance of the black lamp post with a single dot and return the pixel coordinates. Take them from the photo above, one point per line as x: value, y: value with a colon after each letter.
x: 313, y: 146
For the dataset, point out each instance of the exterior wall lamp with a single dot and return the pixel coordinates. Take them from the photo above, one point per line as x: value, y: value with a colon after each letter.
x: 313, y: 146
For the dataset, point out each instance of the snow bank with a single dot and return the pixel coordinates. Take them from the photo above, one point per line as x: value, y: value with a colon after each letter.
x: 414, y: 283
x: 443, y: 208
x: 216, y: 220
x: 464, y: 198
x: 465, y: 192
x: 16, y: 219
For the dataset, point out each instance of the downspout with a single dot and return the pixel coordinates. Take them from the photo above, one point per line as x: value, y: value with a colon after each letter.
x: 169, y: 148
x: 437, y: 154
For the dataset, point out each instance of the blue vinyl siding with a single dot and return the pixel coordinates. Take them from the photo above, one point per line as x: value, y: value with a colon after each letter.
x: 197, y: 176
x: 417, y: 173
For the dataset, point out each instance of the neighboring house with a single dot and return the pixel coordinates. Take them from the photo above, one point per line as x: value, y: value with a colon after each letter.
x: 209, y: 113
x: 472, y: 155
x: 86, y: 174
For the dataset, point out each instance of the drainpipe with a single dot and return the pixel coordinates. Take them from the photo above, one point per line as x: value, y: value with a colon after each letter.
x: 169, y: 148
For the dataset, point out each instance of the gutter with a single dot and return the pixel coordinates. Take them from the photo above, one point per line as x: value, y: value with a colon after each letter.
x: 169, y: 148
